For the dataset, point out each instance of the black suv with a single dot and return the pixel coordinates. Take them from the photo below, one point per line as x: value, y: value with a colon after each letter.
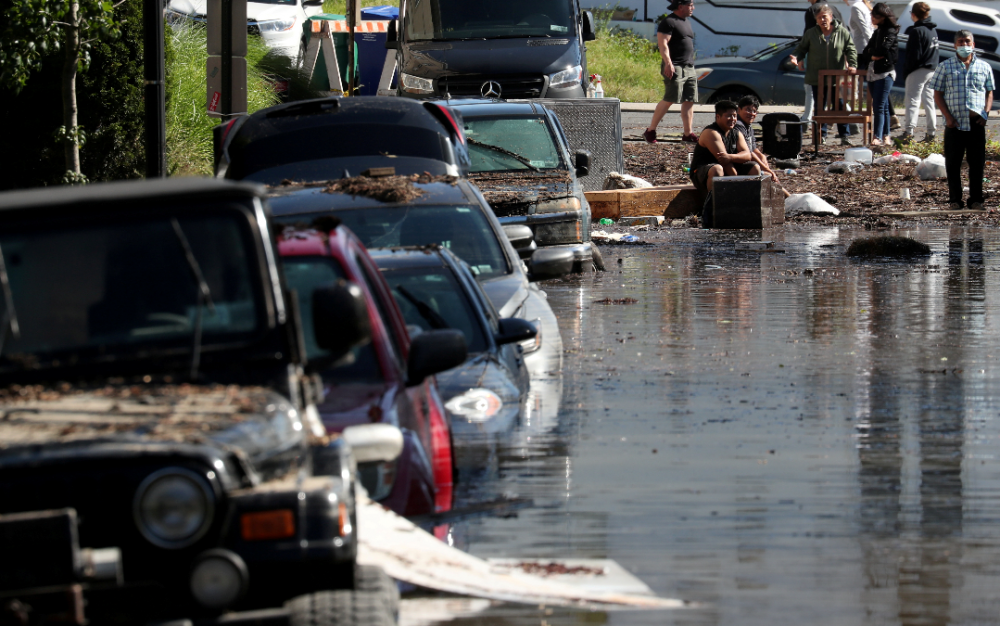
x: 160, y: 453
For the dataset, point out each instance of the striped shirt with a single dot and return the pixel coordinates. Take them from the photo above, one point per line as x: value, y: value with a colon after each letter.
x: 747, y: 134
x: 964, y: 89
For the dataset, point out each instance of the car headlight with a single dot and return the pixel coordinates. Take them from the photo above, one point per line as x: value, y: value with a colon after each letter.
x: 276, y: 26
x: 567, y: 78
x: 173, y: 507
x: 703, y: 72
x: 555, y: 206
x: 415, y: 84
x: 475, y: 405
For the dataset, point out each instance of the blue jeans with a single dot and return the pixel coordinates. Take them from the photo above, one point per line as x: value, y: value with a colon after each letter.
x: 880, y: 104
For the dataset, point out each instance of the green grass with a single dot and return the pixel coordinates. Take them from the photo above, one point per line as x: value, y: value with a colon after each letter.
x: 189, y: 128
x: 339, y: 7
x: 629, y: 66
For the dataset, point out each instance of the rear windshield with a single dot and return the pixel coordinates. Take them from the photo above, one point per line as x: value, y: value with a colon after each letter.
x: 489, y: 19
x: 432, y: 299
x: 463, y: 230
x: 305, y: 274
x: 265, y: 148
x: 145, y: 285
x: 519, y: 143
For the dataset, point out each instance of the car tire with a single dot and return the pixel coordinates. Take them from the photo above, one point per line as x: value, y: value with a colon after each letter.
x: 340, y: 608
x: 733, y: 95
x: 372, y: 579
x: 598, y: 258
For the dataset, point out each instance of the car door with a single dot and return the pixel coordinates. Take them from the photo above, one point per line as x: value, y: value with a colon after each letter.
x: 789, y: 79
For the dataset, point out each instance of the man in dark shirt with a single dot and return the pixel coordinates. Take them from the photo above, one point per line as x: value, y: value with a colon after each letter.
x: 675, y: 40
x: 721, y: 151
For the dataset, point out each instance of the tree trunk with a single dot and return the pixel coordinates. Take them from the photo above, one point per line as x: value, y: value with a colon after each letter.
x: 71, y: 147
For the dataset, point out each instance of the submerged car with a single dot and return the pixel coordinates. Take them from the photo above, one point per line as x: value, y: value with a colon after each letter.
x: 485, y: 395
x: 278, y: 22
x: 330, y: 138
x: 372, y: 383
x: 452, y: 213
x: 520, y: 159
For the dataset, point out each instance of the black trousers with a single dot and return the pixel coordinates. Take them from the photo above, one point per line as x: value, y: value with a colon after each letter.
x: 971, y: 145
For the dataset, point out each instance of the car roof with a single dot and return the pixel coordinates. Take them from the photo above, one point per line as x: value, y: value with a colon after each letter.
x: 310, y: 199
x: 148, y: 190
x: 476, y: 107
x: 409, y: 257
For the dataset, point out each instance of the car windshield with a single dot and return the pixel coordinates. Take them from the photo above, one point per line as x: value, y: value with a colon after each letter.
x: 772, y: 50
x: 300, y: 140
x: 288, y: 2
x: 94, y: 290
x: 305, y: 274
x: 463, y: 230
x: 519, y: 143
x: 431, y: 299
x: 488, y: 19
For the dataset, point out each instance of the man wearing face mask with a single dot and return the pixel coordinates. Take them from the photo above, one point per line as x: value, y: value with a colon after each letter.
x: 963, y: 92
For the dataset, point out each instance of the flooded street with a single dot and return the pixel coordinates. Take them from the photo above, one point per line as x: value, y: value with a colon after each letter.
x: 786, y: 437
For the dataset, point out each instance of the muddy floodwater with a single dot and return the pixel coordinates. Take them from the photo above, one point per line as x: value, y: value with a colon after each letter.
x: 786, y: 437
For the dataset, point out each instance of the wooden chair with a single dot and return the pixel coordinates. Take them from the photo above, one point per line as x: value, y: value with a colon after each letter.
x: 842, y: 98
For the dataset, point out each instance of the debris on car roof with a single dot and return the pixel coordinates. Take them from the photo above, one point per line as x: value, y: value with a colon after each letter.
x: 378, y: 186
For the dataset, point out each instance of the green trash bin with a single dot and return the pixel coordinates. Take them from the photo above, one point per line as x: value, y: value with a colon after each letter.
x: 319, y: 78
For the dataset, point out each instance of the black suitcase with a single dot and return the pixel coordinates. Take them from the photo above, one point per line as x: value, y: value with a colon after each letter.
x: 782, y: 141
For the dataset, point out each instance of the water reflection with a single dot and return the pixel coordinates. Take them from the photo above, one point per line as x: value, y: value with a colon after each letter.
x: 794, y: 437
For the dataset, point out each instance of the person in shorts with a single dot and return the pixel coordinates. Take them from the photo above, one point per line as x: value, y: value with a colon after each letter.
x: 721, y: 151
x: 675, y: 39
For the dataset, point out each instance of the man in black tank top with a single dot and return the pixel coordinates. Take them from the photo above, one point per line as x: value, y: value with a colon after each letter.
x: 722, y: 150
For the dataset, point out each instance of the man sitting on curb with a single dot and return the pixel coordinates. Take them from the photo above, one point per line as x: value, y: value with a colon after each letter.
x: 721, y: 151
x: 747, y: 113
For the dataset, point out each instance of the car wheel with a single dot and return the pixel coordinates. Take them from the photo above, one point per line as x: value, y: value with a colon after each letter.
x: 598, y: 259
x: 733, y: 95
x: 372, y: 579
x: 340, y: 608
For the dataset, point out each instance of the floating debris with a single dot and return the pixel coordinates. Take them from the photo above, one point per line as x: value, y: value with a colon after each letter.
x: 616, y: 301
x: 887, y: 246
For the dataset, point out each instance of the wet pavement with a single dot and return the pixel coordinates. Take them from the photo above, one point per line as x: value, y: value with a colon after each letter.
x: 787, y: 437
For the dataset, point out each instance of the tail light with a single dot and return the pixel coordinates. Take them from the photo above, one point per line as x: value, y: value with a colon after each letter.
x: 445, y: 116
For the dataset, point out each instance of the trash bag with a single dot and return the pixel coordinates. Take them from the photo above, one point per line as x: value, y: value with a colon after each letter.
x: 625, y: 181
x: 799, y: 203
x: 843, y: 167
x: 896, y: 157
x: 931, y: 167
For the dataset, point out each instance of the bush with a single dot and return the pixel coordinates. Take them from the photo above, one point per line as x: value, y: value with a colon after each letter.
x: 629, y: 65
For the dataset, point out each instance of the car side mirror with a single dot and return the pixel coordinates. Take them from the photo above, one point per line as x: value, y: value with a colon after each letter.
x: 550, y: 263
x: 340, y: 318
x: 521, y: 238
x: 515, y: 330
x: 312, y: 3
x: 434, y: 351
x: 589, y: 32
x: 582, y: 161
x: 392, y: 36
x: 788, y: 66
x: 374, y: 442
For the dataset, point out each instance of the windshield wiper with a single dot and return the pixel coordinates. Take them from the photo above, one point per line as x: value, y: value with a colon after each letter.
x: 505, y: 151
x: 430, y: 315
x: 10, y: 314
x: 204, y: 294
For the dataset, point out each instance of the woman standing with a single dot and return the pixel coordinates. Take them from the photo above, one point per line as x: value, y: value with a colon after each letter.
x: 921, y: 61
x: 879, y: 56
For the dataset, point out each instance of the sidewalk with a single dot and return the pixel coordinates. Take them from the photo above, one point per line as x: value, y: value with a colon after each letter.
x: 645, y: 107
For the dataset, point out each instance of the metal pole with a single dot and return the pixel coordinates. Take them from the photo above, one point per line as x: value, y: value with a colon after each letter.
x: 154, y: 89
x: 227, y: 60
x: 645, y: 10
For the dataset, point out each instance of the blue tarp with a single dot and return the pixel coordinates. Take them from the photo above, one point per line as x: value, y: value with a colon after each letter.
x: 380, y: 13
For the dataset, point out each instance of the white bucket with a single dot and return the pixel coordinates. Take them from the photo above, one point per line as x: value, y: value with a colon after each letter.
x: 861, y: 155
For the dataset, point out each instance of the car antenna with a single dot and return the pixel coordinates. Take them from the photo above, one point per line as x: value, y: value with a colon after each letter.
x: 204, y: 294
x: 9, y: 314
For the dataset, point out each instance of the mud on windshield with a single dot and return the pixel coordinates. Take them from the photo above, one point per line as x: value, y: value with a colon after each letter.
x: 488, y: 19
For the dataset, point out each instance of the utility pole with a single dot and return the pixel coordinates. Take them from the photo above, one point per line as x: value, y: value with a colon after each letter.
x: 154, y: 89
x: 227, y: 63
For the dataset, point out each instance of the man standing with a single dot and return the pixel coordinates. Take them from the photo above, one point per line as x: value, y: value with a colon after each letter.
x: 746, y: 114
x: 675, y: 40
x: 721, y: 151
x: 814, y: 7
x: 963, y: 92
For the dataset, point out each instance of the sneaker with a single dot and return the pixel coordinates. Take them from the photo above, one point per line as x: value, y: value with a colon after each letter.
x: 906, y: 137
x: 690, y: 138
x: 649, y: 136
x: 977, y: 206
x: 846, y: 141
x: 954, y: 206
x: 928, y: 138
x: 823, y: 140
x: 894, y: 123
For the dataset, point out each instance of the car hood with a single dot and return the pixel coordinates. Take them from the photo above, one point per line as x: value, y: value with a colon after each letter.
x: 493, y: 57
x: 254, y: 422
x: 507, y: 293
x: 255, y: 10
x: 730, y: 61
x: 512, y: 193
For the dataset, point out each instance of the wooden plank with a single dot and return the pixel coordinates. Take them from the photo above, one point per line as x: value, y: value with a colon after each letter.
x: 603, y: 204
x: 673, y: 201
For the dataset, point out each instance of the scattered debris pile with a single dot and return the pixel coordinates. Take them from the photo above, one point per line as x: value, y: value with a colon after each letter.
x: 394, y: 189
x: 616, y: 301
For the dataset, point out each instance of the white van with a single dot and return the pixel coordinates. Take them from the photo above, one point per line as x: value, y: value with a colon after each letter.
x: 981, y: 20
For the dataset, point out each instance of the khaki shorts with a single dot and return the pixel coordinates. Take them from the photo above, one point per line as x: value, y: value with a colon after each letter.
x: 683, y: 87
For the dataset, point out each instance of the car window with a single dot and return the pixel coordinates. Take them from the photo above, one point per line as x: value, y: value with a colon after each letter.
x: 305, y: 274
x: 773, y: 50
x: 495, y: 144
x: 463, y: 230
x: 462, y: 19
x: 432, y: 299
x: 370, y: 275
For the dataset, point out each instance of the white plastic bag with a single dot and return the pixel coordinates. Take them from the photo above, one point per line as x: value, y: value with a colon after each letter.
x: 799, y: 203
x: 625, y: 181
x: 843, y: 167
x: 896, y: 157
x: 931, y: 167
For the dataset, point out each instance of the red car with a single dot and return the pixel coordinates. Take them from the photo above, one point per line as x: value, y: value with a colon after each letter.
x: 370, y: 384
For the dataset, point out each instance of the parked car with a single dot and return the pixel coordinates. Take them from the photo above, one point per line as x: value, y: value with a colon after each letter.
x: 771, y: 77
x: 372, y: 384
x: 278, y: 22
x: 454, y: 214
x: 982, y: 21
x: 485, y: 395
x: 520, y: 159
x: 160, y: 458
x: 329, y: 138
x: 492, y: 48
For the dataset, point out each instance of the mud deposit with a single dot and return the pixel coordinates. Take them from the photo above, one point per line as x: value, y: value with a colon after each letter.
x: 793, y: 438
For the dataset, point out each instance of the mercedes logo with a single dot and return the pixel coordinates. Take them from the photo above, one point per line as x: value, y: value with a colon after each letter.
x: 490, y: 89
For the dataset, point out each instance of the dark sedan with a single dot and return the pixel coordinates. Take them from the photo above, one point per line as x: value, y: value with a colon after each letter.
x: 771, y: 77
